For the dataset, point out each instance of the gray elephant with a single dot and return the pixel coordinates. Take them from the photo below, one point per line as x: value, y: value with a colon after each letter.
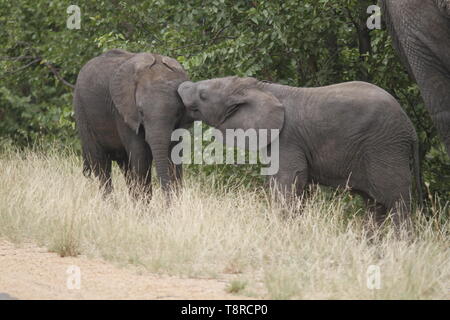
x: 421, y: 33
x: 351, y: 134
x: 126, y: 107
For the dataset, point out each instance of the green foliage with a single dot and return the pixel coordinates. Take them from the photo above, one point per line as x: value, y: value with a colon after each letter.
x: 299, y: 43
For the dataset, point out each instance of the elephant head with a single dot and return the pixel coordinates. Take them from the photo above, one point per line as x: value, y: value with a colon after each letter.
x: 144, y: 92
x: 233, y: 103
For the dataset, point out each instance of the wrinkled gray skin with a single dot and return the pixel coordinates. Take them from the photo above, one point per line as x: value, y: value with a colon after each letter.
x: 421, y: 33
x: 353, y: 134
x: 126, y: 107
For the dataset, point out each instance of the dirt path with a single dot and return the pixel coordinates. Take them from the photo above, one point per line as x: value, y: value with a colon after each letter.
x: 31, y: 272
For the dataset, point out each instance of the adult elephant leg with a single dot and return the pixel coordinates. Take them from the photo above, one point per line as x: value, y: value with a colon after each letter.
x: 421, y: 37
x: 435, y: 89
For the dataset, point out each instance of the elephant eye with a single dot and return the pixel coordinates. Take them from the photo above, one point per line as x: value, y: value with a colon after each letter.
x: 202, y: 95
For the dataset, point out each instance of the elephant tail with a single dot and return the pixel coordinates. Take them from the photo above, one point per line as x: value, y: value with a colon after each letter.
x: 417, y: 171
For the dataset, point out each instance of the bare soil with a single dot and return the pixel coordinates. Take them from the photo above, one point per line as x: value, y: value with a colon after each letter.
x: 31, y: 272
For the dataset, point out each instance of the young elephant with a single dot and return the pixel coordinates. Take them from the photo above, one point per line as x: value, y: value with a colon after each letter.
x: 126, y: 107
x: 351, y: 134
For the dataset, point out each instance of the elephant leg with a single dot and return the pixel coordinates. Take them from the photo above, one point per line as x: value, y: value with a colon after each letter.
x: 375, y: 218
x: 124, y: 167
x: 390, y: 187
x: 376, y: 212
x: 175, y: 170
x: 138, y: 161
x: 139, y: 175
x: 101, y: 168
x: 401, y: 211
x: 95, y: 160
x: 435, y: 90
x: 292, y: 177
x: 399, y: 201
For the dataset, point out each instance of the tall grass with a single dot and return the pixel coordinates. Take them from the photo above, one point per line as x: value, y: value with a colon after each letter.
x: 214, y: 229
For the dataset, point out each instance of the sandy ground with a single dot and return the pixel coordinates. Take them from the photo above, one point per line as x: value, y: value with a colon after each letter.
x: 31, y: 272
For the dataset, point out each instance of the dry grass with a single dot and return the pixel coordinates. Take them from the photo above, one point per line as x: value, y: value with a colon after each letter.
x: 211, y: 230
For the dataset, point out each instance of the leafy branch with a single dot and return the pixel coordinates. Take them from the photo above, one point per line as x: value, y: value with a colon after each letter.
x: 35, y: 60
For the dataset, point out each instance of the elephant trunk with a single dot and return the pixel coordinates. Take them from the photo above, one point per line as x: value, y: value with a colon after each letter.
x: 159, y: 140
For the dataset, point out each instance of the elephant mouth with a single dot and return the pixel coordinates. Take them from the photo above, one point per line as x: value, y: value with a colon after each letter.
x: 193, y: 112
x: 185, y: 91
x: 192, y: 108
x: 196, y: 114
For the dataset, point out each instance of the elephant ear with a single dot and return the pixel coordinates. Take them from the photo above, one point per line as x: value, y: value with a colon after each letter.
x: 255, y: 109
x: 123, y: 87
x: 172, y: 64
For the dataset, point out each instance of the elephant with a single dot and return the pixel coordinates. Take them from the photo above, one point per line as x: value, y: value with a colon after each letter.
x: 421, y: 35
x: 126, y: 106
x: 351, y: 134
